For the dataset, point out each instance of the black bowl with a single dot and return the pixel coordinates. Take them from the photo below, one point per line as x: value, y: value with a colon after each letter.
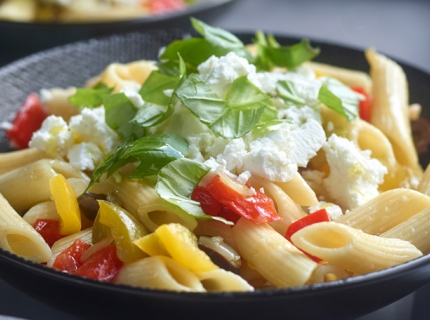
x: 344, y: 299
x: 21, y: 39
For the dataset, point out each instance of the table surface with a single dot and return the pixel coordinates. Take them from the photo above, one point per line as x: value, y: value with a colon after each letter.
x: 399, y: 28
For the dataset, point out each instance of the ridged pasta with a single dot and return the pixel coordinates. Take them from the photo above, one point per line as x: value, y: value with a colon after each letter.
x: 19, y: 237
x: 385, y: 211
x: 352, y: 78
x: 390, y: 106
x: 416, y: 230
x: 274, y: 257
x: 352, y: 249
x: 161, y: 273
x: 222, y: 280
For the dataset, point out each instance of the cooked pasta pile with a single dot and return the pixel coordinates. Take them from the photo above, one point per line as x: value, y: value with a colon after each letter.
x: 79, y: 11
x: 220, y: 167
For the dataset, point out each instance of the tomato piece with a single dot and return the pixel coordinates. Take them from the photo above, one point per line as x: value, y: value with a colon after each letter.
x: 212, y: 207
x: 365, y: 106
x: 315, y: 217
x: 208, y: 203
x: 162, y: 6
x: 49, y: 229
x: 70, y: 259
x: 28, y: 119
x: 252, y: 205
x: 103, y: 264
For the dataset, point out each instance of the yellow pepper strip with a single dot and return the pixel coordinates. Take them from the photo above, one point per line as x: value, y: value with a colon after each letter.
x: 100, y: 231
x: 151, y: 245
x: 124, y: 228
x: 181, y: 245
x: 67, y: 205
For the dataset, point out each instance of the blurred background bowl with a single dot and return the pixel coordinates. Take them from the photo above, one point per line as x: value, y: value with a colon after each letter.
x: 18, y: 39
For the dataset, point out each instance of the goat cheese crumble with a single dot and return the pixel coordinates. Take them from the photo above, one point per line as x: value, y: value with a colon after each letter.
x: 354, y: 176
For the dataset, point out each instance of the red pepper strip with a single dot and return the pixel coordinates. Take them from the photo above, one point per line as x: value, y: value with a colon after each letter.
x: 103, y: 265
x: 315, y: 217
x: 70, y: 259
x: 256, y: 207
x: 161, y: 6
x: 365, y: 106
x: 49, y: 229
x: 28, y: 119
x: 212, y: 207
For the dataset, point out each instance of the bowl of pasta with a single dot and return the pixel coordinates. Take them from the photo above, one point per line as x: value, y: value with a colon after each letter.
x: 229, y: 176
x: 27, y: 27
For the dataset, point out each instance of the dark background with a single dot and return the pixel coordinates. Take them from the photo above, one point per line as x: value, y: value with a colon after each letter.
x: 398, y: 28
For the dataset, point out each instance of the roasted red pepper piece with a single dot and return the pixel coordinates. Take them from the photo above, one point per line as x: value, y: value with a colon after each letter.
x: 28, y: 119
x: 70, y: 259
x: 49, y: 229
x: 211, y: 206
x: 103, y: 264
x: 365, y: 106
x: 253, y: 205
x: 315, y: 217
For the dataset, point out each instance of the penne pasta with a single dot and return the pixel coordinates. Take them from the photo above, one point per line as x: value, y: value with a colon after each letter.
x: 18, y: 236
x: 352, y: 78
x: 274, y: 257
x: 390, y: 107
x: 287, y: 208
x: 43, y: 210
x: 385, y: 211
x: 16, y: 159
x: 222, y: 280
x: 161, y: 273
x: 415, y: 230
x: 353, y: 249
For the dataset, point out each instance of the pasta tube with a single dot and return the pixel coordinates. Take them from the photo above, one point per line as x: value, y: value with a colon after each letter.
x: 390, y: 106
x: 349, y: 77
x: 161, y: 273
x: 385, y: 211
x: 274, y: 257
x: 415, y: 230
x: 15, y: 159
x: 352, y: 249
x: 222, y: 280
x: 18, y: 237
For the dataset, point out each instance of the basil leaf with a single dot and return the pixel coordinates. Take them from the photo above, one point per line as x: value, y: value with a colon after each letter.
x: 176, y: 182
x: 90, y: 97
x: 194, y: 51
x: 340, y: 98
x: 119, y: 112
x: 217, y: 36
x: 153, y: 88
x: 237, y: 115
x: 288, y: 92
x: 270, y: 54
x: 153, y: 152
x: 150, y: 115
x: 216, y: 42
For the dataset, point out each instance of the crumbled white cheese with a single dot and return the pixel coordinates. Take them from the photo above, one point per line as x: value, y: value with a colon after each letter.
x: 85, y: 155
x: 333, y: 210
x: 134, y: 96
x: 277, y: 154
x: 220, y: 72
x: 54, y: 137
x: 354, y: 176
x: 299, y: 115
x: 90, y: 126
